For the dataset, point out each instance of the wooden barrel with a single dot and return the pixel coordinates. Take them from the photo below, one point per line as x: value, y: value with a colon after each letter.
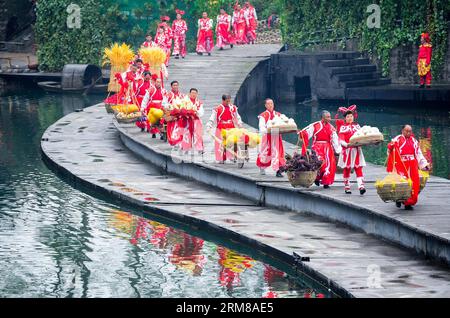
x: 78, y: 76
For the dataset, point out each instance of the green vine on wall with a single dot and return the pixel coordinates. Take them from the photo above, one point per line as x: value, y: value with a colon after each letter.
x: 58, y: 44
x: 402, y: 22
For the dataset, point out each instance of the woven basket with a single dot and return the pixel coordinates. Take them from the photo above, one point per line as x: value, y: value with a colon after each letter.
x: 366, y: 140
x: 282, y: 129
x: 304, y: 179
x: 129, y: 120
x: 109, y: 109
x: 398, y: 192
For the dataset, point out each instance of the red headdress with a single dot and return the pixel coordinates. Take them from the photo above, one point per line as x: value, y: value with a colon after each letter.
x: 426, y: 36
x: 343, y: 110
x: 178, y: 11
x: 154, y: 77
x: 165, y: 18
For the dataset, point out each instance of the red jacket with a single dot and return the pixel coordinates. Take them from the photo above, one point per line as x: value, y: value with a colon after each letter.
x: 425, y: 52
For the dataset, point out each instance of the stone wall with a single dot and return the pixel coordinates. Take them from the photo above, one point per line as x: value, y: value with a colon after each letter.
x: 19, y: 8
x: 402, y: 60
x: 256, y: 86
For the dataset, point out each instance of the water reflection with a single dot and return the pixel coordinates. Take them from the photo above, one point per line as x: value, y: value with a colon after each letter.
x: 192, y: 258
x: 56, y: 241
x: 431, y: 126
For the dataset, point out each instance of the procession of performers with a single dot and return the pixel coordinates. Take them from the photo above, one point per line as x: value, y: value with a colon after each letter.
x: 139, y: 86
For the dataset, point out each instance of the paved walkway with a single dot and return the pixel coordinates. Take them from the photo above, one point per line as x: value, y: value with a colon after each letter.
x: 86, y: 146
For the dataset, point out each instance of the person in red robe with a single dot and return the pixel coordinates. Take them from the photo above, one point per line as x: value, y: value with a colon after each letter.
x: 149, y: 42
x: 224, y: 116
x: 128, y: 87
x: 154, y: 98
x: 325, y: 143
x: 142, y: 86
x: 193, y: 128
x: 162, y: 39
x: 406, y: 158
x: 223, y: 30
x: 239, y: 25
x: 174, y: 133
x: 271, y: 152
x: 179, y: 28
x: 424, y: 60
x: 205, y: 41
x: 251, y: 22
x: 350, y: 157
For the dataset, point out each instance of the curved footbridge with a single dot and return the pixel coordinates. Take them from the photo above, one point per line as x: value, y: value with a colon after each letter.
x: 262, y: 211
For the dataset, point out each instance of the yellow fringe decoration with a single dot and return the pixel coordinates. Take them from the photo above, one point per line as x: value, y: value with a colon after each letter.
x: 154, y: 56
x: 119, y: 57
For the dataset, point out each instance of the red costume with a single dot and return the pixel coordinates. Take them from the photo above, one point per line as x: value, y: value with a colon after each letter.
x: 239, y: 26
x: 223, y: 117
x: 179, y: 28
x: 174, y: 135
x: 205, y: 41
x: 224, y: 36
x: 424, y: 60
x: 271, y: 151
x: 351, y: 157
x: 193, y: 129
x: 405, y: 157
x: 141, y: 90
x: 154, y: 98
x: 128, y: 87
x: 251, y: 20
x: 164, y: 40
x: 325, y: 139
x: 148, y: 44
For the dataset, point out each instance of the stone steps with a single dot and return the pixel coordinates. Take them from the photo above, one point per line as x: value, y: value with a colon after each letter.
x: 367, y: 82
x: 345, y: 62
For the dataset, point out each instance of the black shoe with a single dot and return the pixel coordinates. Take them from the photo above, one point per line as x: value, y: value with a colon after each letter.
x: 153, y: 135
x: 362, y: 191
x: 421, y: 86
x: 209, y: 54
x: 398, y: 204
x: 409, y: 207
x: 182, y: 57
x: 279, y: 174
x: 326, y: 186
x: 317, y: 183
x: 221, y: 49
x: 199, y: 53
x: 348, y: 192
x: 177, y: 57
x: 231, y: 45
x: 161, y: 137
x: 428, y: 86
x: 142, y: 129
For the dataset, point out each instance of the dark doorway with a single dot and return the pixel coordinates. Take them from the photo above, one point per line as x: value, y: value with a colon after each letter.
x: 12, y: 27
x: 302, y: 88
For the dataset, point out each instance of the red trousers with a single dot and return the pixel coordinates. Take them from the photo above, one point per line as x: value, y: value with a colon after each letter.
x: 413, y: 169
x: 358, y: 172
x: 425, y: 80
